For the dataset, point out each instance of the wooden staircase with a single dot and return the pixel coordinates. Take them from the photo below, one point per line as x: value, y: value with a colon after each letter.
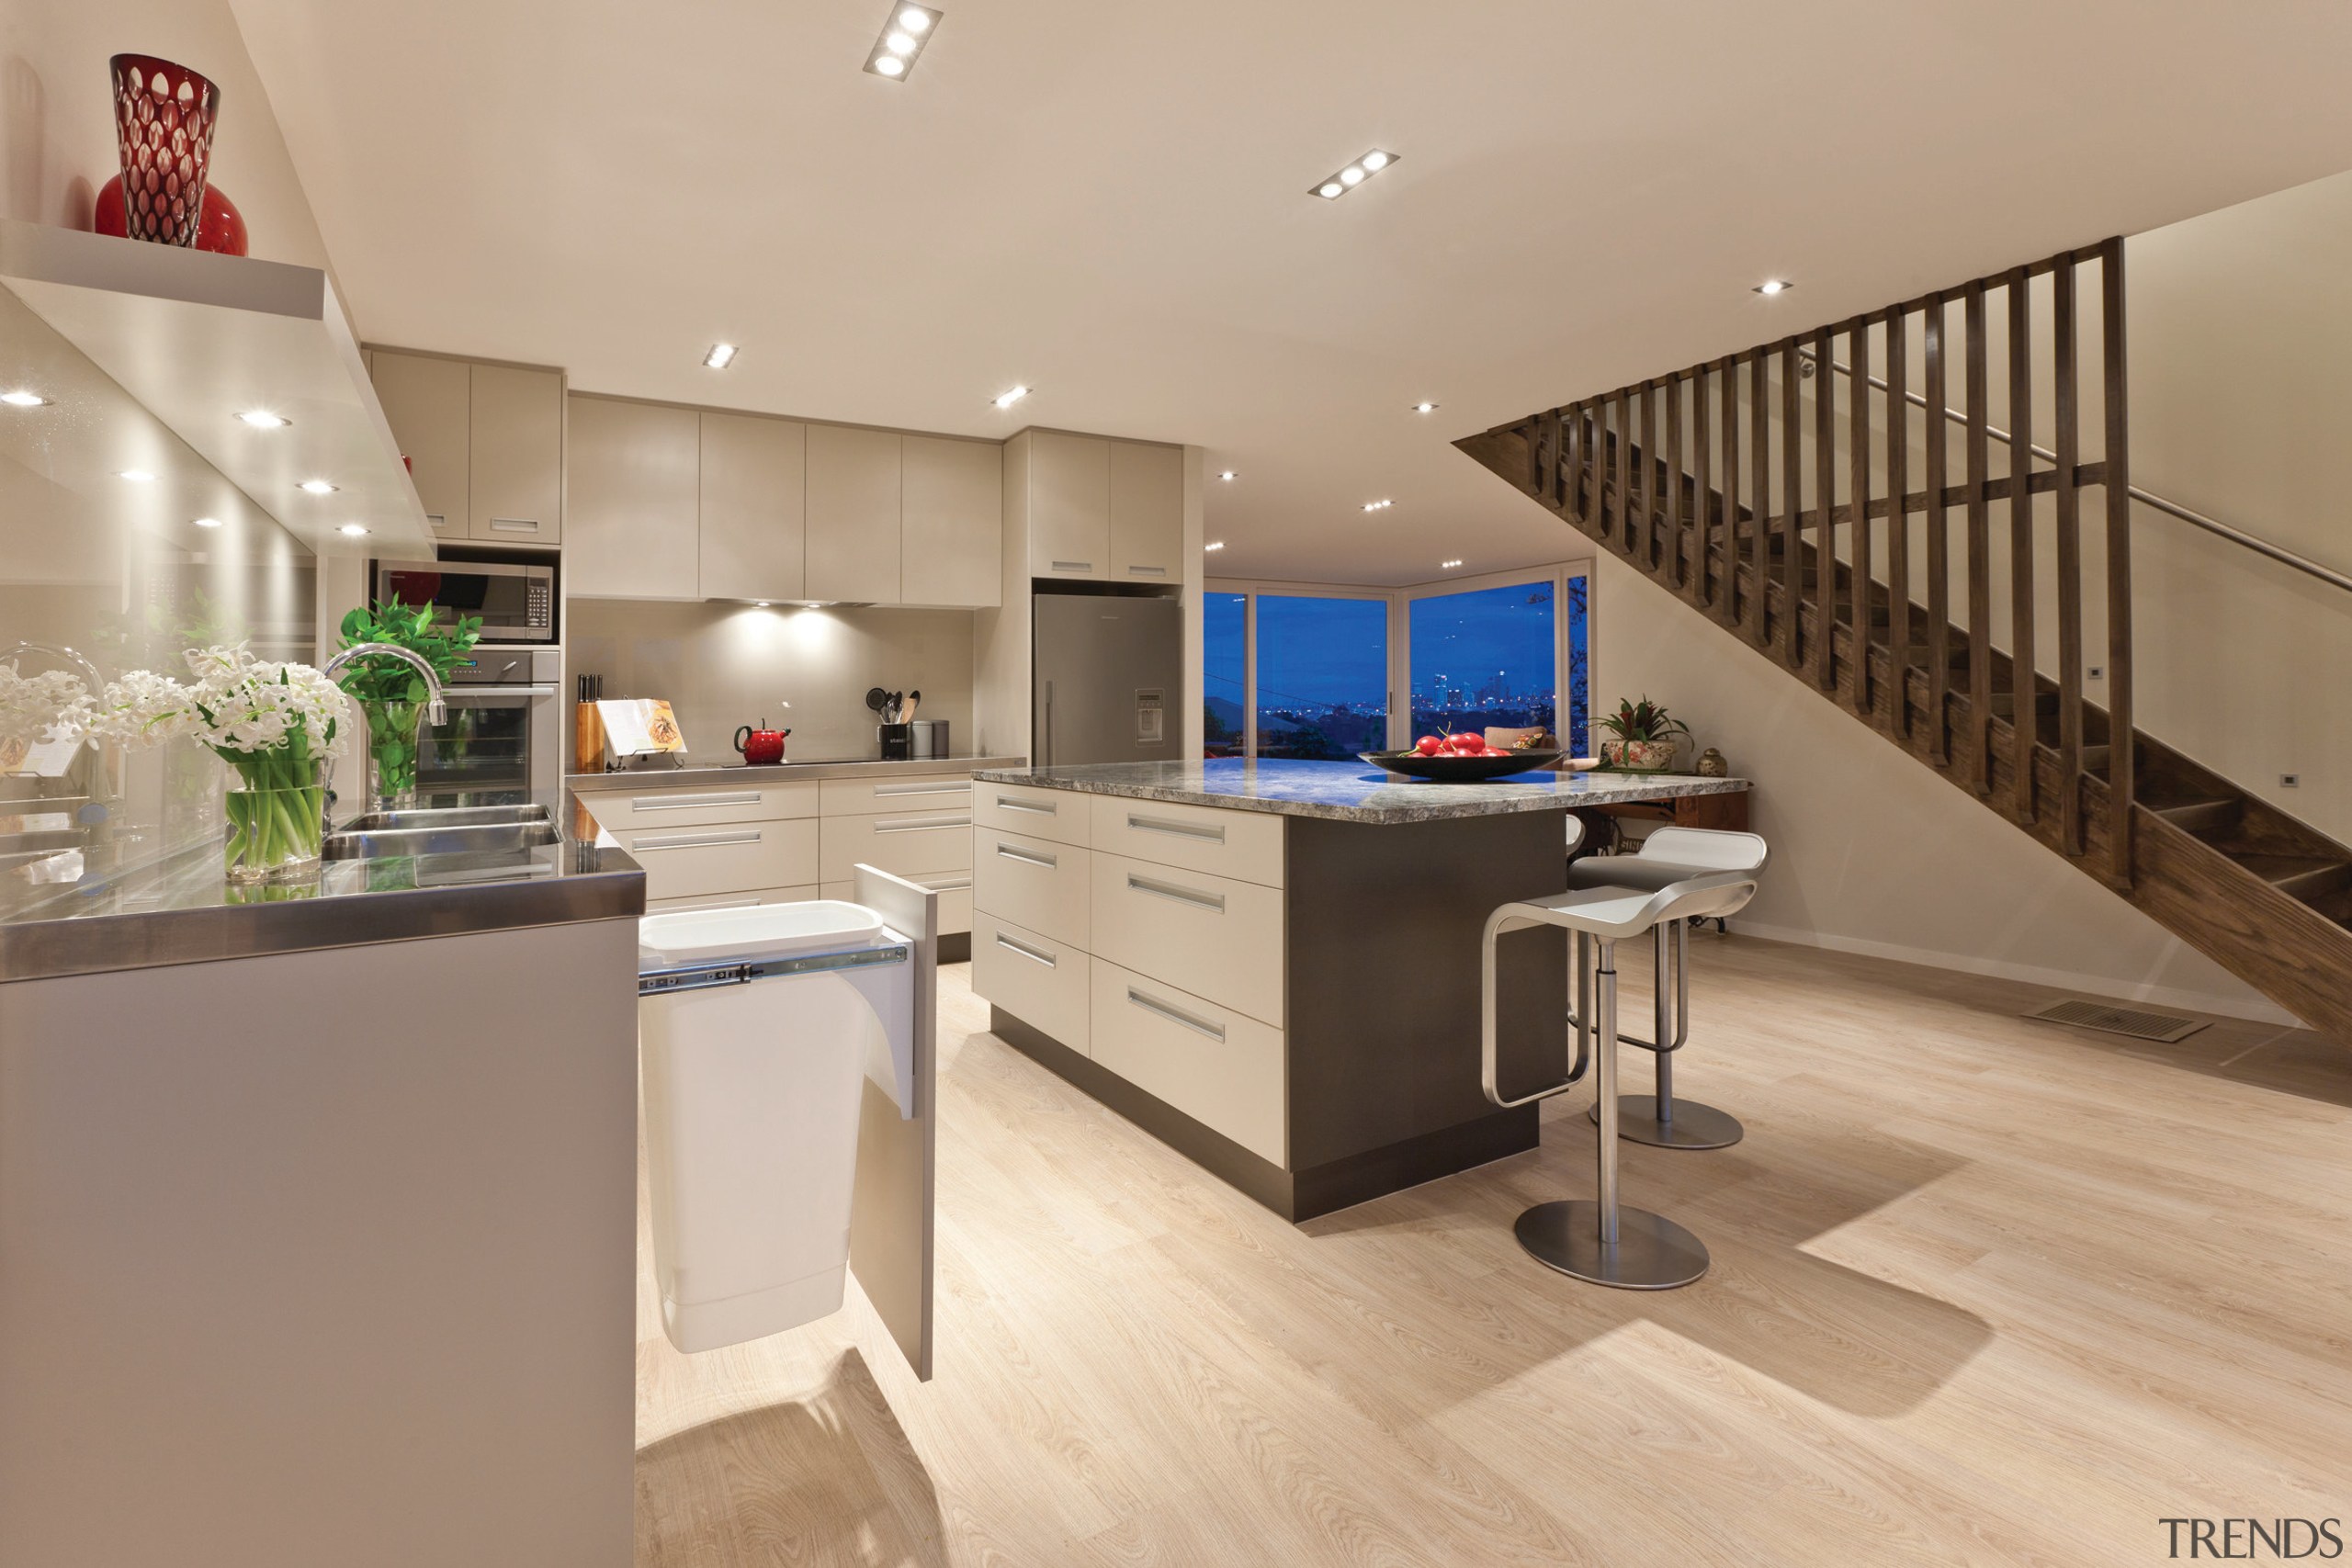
x: 1782, y: 493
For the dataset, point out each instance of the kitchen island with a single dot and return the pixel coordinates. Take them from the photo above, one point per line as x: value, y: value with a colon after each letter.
x: 1272, y: 966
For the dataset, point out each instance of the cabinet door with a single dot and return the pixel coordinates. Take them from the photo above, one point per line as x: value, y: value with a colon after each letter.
x: 427, y: 402
x: 1070, y: 505
x: 754, y: 472
x: 517, y: 471
x: 633, y: 470
x: 854, y: 494
x: 1147, y: 512
x: 951, y: 543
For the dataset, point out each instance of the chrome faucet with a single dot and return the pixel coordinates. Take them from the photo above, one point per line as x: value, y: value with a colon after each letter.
x: 436, y: 711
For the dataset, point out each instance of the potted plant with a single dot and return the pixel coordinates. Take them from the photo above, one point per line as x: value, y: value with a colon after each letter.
x: 392, y: 696
x: 1646, y: 735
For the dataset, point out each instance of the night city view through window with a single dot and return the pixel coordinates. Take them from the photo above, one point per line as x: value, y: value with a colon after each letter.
x: 1478, y: 659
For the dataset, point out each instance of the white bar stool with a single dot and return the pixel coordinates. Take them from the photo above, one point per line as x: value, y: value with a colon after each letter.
x: 1599, y: 1241
x: 1666, y: 856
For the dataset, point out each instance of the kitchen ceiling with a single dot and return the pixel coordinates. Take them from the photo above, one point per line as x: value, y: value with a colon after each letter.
x: 1112, y: 204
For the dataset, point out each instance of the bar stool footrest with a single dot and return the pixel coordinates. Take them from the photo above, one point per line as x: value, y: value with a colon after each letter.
x: 1695, y: 1126
x: 1652, y: 1253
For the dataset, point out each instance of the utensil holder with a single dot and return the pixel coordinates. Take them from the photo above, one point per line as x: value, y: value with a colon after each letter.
x: 898, y: 741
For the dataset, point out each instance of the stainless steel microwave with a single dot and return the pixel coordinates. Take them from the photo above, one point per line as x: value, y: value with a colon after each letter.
x: 516, y: 599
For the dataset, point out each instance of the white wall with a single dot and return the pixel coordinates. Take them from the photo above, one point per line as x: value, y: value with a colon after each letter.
x: 1872, y: 853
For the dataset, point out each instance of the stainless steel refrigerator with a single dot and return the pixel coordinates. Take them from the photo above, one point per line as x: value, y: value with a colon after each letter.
x: 1109, y: 683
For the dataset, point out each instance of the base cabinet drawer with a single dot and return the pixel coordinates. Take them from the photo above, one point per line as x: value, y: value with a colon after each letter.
x: 734, y: 857
x: 1061, y: 815
x: 1039, y: 980
x: 617, y: 808
x: 904, y: 843
x: 1245, y: 845
x: 735, y: 900
x: 1213, y: 936
x: 954, y: 890
x: 1223, y: 1069
x: 943, y: 791
x: 1035, y: 883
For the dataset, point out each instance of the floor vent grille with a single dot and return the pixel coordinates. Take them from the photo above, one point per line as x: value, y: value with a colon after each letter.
x: 2110, y: 1018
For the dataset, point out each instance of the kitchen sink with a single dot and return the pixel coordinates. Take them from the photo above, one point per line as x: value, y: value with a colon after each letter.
x: 461, y: 830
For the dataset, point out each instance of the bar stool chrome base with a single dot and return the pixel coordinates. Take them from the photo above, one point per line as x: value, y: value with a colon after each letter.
x: 1652, y: 1252
x: 1695, y: 1126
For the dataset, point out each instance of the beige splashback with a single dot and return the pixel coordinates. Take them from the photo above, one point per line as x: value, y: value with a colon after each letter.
x: 721, y: 665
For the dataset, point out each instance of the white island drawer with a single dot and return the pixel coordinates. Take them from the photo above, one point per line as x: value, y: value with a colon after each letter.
x: 1035, y: 883
x: 1040, y: 981
x: 768, y: 801
x: 1246, y: 845
x: 1057, y: 814
x: 898, y: 793
x: 727, y: 857
x: 1214, y: 936
x: 901, y: 844
x: 1221, y: 1067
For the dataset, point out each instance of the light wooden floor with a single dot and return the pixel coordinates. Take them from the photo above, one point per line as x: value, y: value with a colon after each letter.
x: 1985, y: 1291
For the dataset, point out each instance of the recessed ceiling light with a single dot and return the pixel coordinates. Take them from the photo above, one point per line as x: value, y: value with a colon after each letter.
x: 760, y: 603
x: 317, y: 486
x: 720, y: 357
x: 1006, y: 399
x: 137, y: 476
x: 22, y: 398
x: 352, y: 530
x: 1377, y: 505
x: 208, y: 522
x: 1335, y: 185
x: 904, y: 33
x: 1448, y: 565
x: 1772, y: 285
x: 1218, y: 546
x: 1228, y: 476
x: 262, y: 419
x: 1425, y: 408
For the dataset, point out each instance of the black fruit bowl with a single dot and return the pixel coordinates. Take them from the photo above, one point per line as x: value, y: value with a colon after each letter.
x: 1459, y: 769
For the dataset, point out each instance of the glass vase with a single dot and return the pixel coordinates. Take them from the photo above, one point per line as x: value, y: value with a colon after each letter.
x: 391, y: 754
x: 275, y: 833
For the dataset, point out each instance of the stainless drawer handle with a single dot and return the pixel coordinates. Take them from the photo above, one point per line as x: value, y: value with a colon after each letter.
x: 922, y: 825
x: 1197, y: 1025
x: 696, y: 840
x: 1027, y: 952
x: 944, y: 884
x: 1008, y: 853
x: 514, y: 525
x: 688, y: 802
x: 1009, y: 804
x: 1181, y: 830
x: 1148, y: 571
x: 1213, y: 902
x: 438, y: 519
x: 963, y: 788
x: 1073, y: 566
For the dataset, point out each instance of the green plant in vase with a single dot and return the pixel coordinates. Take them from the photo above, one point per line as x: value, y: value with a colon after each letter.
x: 1644, y: 736
x: 391, y: 695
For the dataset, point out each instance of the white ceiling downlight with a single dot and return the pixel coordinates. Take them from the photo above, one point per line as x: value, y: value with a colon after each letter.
x: 262, y: 419
x: 352, y: 530
x: 720, y: 357
x: 316, y: 487
x: 1425, y: 408
x: 1772, y: 285
x: 1007, y: 399
x: 22, y: 398
x: 1334, y: 187
x: 1381, y: 505
x: 905, y: 32
x: 208, y: 522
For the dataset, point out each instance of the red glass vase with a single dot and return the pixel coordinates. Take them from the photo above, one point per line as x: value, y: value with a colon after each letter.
x: 165, y: 115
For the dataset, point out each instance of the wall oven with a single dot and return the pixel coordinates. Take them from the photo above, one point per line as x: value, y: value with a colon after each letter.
x: 504, y: 732
x: 514, y: 598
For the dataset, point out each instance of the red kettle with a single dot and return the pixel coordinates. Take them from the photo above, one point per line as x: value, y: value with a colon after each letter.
x: 761, y: 745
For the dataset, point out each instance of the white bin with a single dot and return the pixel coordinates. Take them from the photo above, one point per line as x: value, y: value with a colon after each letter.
x: 758, y: 1028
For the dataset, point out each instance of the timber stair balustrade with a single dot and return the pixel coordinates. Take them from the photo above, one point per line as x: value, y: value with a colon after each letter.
x: 1864, y: 523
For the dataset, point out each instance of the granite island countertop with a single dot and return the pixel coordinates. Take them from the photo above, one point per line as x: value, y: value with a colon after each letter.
x: 1354, y: 792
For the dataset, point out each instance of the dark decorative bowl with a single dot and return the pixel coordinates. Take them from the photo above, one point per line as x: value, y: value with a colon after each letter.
x: 1459, y: 769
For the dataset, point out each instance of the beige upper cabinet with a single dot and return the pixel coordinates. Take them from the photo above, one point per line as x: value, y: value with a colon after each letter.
x: 1147, y: 512
x: 517, y: 487
x: 1070, y: 505
x: 753, y: 476
x: 634, y: 472
x: 427, y: 402
x: 952, y: 540
x: 855, y: 508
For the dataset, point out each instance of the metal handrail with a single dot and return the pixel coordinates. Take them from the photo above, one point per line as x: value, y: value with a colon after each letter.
x: 2214, y: 525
